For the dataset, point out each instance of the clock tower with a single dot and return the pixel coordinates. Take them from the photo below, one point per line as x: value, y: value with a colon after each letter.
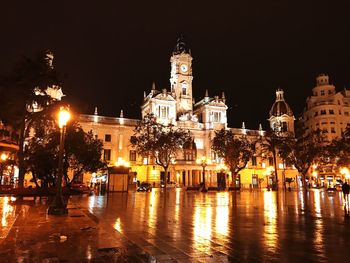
x: 181, y: 77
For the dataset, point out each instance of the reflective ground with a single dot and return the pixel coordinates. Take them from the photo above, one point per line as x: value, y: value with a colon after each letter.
x: 182, y: 226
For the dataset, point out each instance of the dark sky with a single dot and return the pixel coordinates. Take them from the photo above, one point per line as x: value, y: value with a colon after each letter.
x: 109, y: 52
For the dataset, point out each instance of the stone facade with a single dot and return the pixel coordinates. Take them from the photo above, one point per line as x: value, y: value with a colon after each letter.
x: 326, y: 109
x: 202, y: 118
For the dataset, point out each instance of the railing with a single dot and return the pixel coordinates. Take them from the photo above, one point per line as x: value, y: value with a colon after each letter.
x: 107, y: 120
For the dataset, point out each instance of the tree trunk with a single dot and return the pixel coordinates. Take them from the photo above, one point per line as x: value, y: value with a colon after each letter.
x: 303, y: 176
x: 275, y: 168
x: 234, y: 178
x: 165, y: 177
x: 20, y: 153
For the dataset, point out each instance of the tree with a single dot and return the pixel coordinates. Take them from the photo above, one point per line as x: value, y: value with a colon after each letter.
x: 339, y: 150
x: 158, y: 141
x: 303, y: 150
x: 236, y: 150
x: 272, y: 142
x: 82, y: 154
x: 24, y: 93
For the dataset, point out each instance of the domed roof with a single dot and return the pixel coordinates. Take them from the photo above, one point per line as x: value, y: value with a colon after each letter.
x: 280, y: 106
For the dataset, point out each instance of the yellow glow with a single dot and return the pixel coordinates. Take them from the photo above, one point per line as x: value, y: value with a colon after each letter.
x: 268, y: 170
x: 202, y: 225
x: 203, y: 161
x: 6, y: 211
x: 3, y: 156
x: 270, y: 226
x: 345, y: 171
x: 63, y: 117
x: 314, y: 174
x: 117, y: 225
x: 221, y: 167
x: 122, y: 162
x: 152, y: 212
x: 222, y: 213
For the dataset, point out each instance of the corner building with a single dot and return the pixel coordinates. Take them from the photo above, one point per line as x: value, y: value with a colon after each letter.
x: 177, y: 106
x: 326, y: 109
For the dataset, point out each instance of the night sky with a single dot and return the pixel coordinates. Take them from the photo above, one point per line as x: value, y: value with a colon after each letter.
x: 109, y: 52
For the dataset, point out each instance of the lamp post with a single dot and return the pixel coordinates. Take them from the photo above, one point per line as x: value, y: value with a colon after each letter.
x: 203, y: 162
x: 58, y: 206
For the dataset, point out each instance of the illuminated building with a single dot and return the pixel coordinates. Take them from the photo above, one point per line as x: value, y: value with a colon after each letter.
x: 177, y: 106
x: 327, y: 109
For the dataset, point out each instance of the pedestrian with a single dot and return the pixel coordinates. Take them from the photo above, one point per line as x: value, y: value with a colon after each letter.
x: 346, y: 189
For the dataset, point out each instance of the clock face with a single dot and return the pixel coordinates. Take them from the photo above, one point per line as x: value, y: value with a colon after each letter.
x: 183, y: 68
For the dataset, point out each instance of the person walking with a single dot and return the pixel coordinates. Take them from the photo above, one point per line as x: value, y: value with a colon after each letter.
x: 346, y: 189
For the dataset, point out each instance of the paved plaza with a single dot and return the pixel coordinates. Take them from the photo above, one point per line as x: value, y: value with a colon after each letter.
x: 179, y: 226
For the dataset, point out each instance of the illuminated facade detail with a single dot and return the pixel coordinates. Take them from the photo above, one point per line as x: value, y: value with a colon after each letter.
x: 326, y: 109
x: 175, y: 105
x: 281, y: 116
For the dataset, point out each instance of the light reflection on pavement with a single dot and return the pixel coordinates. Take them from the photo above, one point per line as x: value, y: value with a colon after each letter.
x: 185, y: 226
x: 243, y: 226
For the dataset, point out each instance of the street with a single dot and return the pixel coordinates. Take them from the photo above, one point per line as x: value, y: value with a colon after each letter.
x: 185, y: 226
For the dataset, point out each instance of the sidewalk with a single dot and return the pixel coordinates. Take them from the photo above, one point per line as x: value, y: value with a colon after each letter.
x: 76, y: 237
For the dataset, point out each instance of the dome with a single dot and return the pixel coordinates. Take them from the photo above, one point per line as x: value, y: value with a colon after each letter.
x: 280, y: 106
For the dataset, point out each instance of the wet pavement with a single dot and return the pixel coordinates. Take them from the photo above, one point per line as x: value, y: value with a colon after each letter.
x: 179, y: 226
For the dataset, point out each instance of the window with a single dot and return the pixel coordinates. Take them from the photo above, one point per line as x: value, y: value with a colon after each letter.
x: 270, y: 161
x: 323, y: 112
x: 331, y: 111
x: 216, y: 116
x: 329, y: 92
x: 338, y: 102
x: 163, y: 112
x: 339, y: 112
x: 108, y: 137
x: 96, y: 136
x: 107, y: 154
x: 324, y: 123
x: 324, y: 130
x: 346, y: 113
x: 332, y: 130
x: 316, y: 113
x: 132, y: 156
x: 332, y: 122
x: 322, y: 92
x: 255, y: 180
x: 184, y: 87
x: 190, y: 151
x: 253, y: 161
x: 284, y: 126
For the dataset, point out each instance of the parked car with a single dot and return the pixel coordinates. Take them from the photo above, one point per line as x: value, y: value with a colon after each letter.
x: 81, y: 188
x: 169, y: 185
x: 144, y: 187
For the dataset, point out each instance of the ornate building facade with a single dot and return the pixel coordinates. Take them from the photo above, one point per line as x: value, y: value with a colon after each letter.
x: 177, y: 106
x: 326, y: 109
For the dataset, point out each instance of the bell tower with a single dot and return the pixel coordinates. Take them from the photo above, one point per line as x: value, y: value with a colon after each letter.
x: 181, y: 77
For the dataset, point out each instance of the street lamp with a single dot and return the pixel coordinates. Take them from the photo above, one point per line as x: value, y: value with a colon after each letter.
x: 203, y: 162
x: 58, y: 206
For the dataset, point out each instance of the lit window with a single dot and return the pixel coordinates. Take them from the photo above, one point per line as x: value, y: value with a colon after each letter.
x: 216, y: 116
